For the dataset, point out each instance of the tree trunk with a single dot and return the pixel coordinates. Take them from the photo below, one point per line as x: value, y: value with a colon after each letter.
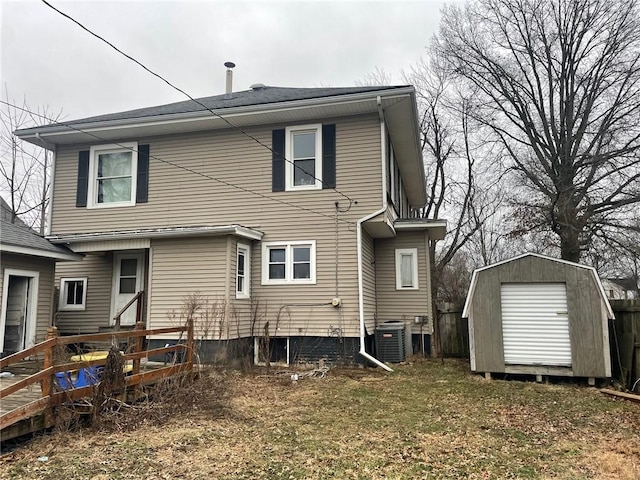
x: 569, y: 244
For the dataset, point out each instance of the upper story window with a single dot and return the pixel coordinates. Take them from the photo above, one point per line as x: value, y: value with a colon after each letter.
x: 406, y: 269
x: 73, y: 293
x: 242, y: 271
x: 303, y: 149
x: 289, y: 262
x: 112, y: 175
x: 303, y: 158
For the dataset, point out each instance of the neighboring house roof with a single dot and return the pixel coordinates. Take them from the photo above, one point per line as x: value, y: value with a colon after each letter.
x: 6, y: 214
x: 21, y: 240
x: 258, y: 106
x: 628, y: 284
x: 474, y: 279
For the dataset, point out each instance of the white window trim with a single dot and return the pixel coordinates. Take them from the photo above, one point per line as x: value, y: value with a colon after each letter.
x: 289, y: 165
x: 246, y: 250
x: 62, y: 305
x: 288, y: 246
x: 414, y: 253
x: 92, y: 191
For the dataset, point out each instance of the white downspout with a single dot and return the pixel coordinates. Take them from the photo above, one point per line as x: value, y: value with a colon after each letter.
x: 383, y: 145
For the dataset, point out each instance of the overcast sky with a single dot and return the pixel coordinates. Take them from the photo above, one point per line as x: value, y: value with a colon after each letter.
x: 51, y: 61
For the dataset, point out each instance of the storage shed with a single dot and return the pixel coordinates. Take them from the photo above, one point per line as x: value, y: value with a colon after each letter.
x: 538, y: 315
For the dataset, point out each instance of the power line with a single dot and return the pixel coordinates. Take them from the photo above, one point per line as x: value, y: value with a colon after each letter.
x: 228, y: 122
x: 181, y: 167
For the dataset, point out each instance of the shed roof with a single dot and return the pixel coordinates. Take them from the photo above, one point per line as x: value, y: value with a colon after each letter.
x: 474, y: 279
x: 15, y: 238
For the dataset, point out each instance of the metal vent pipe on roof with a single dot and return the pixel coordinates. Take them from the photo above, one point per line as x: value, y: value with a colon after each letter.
x: 229, y: 89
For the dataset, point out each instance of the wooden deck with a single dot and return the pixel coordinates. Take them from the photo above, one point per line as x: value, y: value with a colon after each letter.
x: 29, y: 399
x: 21, y: 397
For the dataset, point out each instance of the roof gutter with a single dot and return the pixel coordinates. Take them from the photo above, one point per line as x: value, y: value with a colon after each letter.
x: 237, y: 230
x: 363, y: 351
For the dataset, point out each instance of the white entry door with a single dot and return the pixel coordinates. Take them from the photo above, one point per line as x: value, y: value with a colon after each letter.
x: 19, y: 309
x: 128, y: 270
x: 535, y: 324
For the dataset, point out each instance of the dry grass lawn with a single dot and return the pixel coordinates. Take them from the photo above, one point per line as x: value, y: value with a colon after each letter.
x: 425, y: 420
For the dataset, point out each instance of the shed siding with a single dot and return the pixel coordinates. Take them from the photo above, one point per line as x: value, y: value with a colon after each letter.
x: 486, y: 317
x: 45, y: 269
x: 585, y: 306
x: 99, y: 272
x: 401, y: 304
x: 585, y: 328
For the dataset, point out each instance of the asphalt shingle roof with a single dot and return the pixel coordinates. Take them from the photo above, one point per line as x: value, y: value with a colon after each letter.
x: 19, y: 236
x: 256, y: 96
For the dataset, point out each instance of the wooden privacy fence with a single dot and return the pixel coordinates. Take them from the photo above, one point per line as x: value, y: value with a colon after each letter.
x: 624, y: 336
x: 454, y: 333
x: 45, y: 378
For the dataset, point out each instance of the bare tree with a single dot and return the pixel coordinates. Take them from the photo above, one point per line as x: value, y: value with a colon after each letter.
x: 24, y: 168
x: 460, y: 184
x: 460, y: 187
x: 375, y: 78
x: 559, y: 85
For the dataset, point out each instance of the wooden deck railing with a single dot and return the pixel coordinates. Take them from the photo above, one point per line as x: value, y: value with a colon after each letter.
x: 52, y: 396
x: 138, y: 299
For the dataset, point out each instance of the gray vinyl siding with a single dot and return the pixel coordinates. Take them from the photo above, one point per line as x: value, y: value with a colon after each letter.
x: 178, y: 197
x: 239, y: 319
x: 183, y: 267
x: 401, y: 304
x: 45, y: 269
x: 369, y: 281
x: 99, y: 272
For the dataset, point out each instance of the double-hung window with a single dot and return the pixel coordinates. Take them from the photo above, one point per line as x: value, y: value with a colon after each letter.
x: 304, y: 152
x: 289, y: 262
x: 242, y: 271
x: 406, y: 269
x: 112, y: 175
x: 73, y: 294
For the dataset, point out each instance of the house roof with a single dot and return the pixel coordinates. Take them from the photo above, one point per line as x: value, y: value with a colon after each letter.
x: 6, y: 214
x: 474, y: 279
x: 18, y: 239
x: 257, y: 106
x: 628, y: 283
x: 161, y: 232
x: 257, y: 96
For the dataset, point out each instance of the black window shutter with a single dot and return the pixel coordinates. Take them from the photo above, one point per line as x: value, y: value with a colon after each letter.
x: 277, y: 160
x: 328, y: 156
x: 83, y: 178
x: 142, y: 181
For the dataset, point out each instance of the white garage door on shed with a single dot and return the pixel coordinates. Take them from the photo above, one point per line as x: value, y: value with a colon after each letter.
x: 535, y: 324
